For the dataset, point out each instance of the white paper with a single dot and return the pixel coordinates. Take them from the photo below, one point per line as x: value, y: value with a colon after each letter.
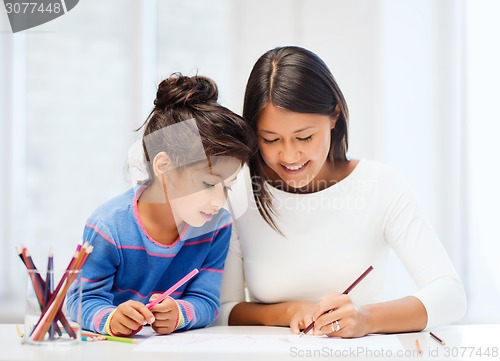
x: 190, y: 342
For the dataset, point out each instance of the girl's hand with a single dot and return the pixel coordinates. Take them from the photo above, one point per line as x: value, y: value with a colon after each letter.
x: 300, y: 315
x: 337, y: 315
x: 166, y: 315
x: 129, y: 317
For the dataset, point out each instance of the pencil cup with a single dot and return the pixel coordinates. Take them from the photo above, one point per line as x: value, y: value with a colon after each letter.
x: 48, y: 295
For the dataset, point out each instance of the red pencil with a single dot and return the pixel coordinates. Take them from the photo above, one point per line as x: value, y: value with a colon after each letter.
x: 36, y: 278
x: 437, y: 339
x: 348, y: 289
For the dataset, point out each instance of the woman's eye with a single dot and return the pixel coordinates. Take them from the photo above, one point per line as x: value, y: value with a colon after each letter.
x: 208, y: 185
x: 306, y: 139
x: 269, y: 141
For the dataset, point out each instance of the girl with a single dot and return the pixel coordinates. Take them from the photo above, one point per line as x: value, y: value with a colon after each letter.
x: 317, y: 219
x: 148, y: 238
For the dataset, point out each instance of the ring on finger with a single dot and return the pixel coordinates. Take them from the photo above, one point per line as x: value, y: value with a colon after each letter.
x: 337, y: 326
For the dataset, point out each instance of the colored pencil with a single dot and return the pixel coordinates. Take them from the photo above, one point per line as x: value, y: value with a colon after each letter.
x: 119, y: 339
x: 53, y: 306
x: 437, y: 339
x: 417, y: 345
x: 48, y: 288
x: 90, y: 337
x: 172, y: 289
x: 51, y: 301
x: 348, y: 289
x: 36, y: 278
x: 39, y: 285
x: 19, y: 331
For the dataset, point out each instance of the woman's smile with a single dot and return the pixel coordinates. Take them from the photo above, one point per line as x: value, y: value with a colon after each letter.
x: 295, y: 169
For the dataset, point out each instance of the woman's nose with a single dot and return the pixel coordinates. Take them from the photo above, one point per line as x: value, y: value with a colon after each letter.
x: 289, y: 154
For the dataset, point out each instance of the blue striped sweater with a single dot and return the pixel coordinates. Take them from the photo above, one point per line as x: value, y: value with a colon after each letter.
x: 127, y: 264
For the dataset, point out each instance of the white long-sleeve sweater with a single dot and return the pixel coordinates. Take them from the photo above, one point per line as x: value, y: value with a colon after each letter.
x: 331, y: 237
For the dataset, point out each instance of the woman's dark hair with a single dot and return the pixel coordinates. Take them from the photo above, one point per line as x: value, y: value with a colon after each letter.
x: 181, y: 98
x: 297, y: 80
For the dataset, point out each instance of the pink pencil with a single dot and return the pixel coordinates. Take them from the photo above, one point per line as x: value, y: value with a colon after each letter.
x: 172, y: 289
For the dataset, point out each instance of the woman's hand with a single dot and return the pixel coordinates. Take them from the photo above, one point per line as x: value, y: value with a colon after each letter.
x: 300, y: 315
x: 337, y: 315
x: 166, y: 314
x: 129, y: 317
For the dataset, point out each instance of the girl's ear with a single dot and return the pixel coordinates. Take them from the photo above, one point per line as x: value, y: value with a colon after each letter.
x: 335, y: 116
x: 161, y: 163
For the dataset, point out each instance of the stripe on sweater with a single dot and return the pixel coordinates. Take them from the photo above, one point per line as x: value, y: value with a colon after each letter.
x: 212, y: 270
x: 99, y: 316
x: 188, y: 308
x: 194, y: 243
x: 101, y: 234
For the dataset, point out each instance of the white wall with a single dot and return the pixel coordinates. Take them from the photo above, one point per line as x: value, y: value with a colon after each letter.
x: 482, y: 139
x: 12, y: 149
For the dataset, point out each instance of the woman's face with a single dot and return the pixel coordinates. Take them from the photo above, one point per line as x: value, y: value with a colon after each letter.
x: 294, y: 145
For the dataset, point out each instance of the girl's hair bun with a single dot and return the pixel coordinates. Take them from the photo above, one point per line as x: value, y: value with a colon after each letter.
x: 180, y: 91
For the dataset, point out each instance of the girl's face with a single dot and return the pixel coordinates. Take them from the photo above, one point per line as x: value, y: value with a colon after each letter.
x: 198, y: 192
x: 294, y: 145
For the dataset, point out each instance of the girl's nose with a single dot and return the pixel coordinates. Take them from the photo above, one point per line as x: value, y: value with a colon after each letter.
x: 219, y: 198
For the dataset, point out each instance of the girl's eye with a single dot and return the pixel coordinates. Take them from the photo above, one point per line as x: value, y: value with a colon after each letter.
x: 208, y: 185
x: 267, y: 141
x: 306, y: 139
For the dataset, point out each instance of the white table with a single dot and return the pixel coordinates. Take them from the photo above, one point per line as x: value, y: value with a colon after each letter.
x: 463, y: 342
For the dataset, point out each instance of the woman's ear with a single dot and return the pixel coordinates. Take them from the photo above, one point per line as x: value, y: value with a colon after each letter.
x: 161, y: 163
x: 335, y: 116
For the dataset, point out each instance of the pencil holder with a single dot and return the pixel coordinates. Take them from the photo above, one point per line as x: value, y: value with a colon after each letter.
x: 46, y: 320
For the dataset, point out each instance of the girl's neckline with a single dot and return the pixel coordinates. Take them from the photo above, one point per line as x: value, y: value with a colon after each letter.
x: 329, y: 188
x: 143, y: 228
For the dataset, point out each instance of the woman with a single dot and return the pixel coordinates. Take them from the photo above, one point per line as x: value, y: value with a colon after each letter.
x: 313, y: 220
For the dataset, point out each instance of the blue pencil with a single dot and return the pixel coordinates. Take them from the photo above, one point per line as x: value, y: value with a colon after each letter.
x: 49, y: 282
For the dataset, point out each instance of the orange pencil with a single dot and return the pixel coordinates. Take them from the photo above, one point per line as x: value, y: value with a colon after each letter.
x: 417, y: 345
